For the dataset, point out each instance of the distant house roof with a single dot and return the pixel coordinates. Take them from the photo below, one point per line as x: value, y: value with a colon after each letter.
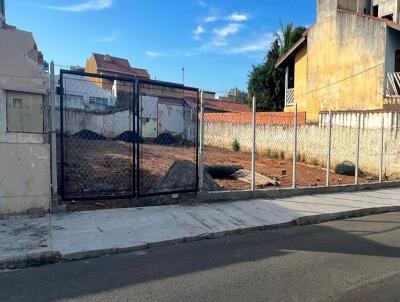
x: 221, y: 106
x: 118, y: 65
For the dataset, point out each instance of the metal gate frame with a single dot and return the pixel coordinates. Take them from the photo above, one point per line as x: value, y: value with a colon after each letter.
x: 135, y: 109
x: 138, y: 125
x: 61, y: 93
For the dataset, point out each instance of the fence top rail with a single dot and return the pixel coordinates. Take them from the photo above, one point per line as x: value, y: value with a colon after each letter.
x: 131, y: 79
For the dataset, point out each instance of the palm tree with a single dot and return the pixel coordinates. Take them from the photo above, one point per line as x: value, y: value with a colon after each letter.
x: 288, y: 36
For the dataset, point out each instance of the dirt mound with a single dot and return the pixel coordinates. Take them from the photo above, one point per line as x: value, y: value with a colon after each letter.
x: 165, y: 139
x: 182, y: 176
x: 89, y: 135
x: 346, y: 168
x: 130, y: 137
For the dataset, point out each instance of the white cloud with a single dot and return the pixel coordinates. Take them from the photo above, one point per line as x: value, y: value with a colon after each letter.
x: 234, y: 17
x: 154, y: 54
x: 110, y: 38
x: 198, y: 32
x: 237, y: 17
x: 210, y: 19
x: 92, y: 5
x: 228, y: 30
x: 201, y: 3
x: 260, y: 45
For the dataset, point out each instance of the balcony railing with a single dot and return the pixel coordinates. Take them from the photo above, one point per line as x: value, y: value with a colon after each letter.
x: 289, y: 97
x: 392, y: 85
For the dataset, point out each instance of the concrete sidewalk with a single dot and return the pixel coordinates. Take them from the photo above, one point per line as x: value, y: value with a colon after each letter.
x: 87, y: 234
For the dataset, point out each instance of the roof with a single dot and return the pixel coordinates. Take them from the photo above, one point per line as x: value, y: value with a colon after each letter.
x: 283, y: 61
x: 220, y: 105
x: 118, y: 65
x: 389, y: 23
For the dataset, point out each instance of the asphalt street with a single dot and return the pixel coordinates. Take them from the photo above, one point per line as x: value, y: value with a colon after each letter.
x: 351, y: 260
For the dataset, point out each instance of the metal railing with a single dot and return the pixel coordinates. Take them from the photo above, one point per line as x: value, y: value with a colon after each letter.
x: 289, y: 97
x: 392, y: 85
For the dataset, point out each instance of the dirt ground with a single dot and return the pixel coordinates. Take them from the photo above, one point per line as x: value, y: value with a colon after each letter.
x: 107, y: 166
x: 307, y: 175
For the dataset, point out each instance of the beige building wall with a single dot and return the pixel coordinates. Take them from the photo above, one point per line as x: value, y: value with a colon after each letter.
x: 24, y: 156
x: 345, y: 63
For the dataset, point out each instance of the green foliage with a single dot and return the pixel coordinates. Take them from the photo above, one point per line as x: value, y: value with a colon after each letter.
x: 235, y: 145
x: 266, y: 82
x: 282, y: 155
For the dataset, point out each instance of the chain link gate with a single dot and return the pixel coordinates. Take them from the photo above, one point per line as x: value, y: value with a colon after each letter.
x: 122, y: 138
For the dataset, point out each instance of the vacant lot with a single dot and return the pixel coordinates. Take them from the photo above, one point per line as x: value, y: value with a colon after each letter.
x: 107, y: 167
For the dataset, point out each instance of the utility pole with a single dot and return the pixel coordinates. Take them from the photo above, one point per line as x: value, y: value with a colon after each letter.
x: 183, y: 75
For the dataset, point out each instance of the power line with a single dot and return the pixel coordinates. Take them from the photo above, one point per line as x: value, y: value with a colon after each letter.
x: 340, y: 81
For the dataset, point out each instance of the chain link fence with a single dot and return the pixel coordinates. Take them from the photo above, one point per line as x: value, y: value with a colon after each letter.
x: 289, y: 152
x: 168, y: 127
x: 96, y: 154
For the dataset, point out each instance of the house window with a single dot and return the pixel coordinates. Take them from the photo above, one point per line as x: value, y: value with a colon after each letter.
x: 17, y: 103
x: 375, y: 11
x: 98, y: 101
x: 24, y: 112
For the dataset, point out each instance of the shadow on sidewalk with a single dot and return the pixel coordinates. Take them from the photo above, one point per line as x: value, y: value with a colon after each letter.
x: 77, y: 279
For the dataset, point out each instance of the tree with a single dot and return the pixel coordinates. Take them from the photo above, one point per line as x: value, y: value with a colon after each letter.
x: 266, y: 82
x: 288, y: 36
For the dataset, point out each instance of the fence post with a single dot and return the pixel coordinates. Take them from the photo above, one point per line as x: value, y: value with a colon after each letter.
x: 201, y: 149
x: 53, y: 137
x: 253, y: 148
x: 329, y: 155
x: 358, y: 149
x: 382, y: 149
x: 295, y: 149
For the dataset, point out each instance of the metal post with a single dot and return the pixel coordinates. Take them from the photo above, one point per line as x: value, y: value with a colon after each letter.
x: 295, y: 148
x: 253, y: 148
x: 329, y: 155
x: 286, y: 83
x: 53, y: 137
x: 358, y: 149
x: 201, y: 149
x: 382, y: 149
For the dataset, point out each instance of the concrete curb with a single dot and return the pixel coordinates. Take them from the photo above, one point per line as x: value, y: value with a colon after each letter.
x: 50, y: 257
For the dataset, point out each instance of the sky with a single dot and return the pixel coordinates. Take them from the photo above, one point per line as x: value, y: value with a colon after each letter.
x: 216, y: 41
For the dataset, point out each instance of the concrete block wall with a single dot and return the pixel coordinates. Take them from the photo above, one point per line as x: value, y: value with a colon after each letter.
x: 313, y: 143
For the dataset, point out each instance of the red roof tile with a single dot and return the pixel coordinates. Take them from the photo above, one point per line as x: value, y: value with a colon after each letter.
x: 141, y: 73
x: 118, y: 65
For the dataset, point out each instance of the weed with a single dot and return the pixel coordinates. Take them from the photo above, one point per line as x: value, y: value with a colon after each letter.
x: 236, y: 145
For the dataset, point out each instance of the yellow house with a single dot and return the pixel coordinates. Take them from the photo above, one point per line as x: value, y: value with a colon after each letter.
x: 348, y: 60
x: 113, y: 66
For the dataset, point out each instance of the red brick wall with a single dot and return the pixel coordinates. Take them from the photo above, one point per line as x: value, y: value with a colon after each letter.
x: 263, y: 118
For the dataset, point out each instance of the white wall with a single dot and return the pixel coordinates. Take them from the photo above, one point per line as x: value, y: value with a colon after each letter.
x: 369, y: 120
x: 313, y: 143
x: 157, y: 118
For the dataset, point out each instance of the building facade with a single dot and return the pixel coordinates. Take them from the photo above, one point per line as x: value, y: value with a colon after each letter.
x: 348, y: 60
x: 24, y: 147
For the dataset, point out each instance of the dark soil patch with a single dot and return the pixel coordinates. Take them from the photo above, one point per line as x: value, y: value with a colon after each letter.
x: 89, y: 135
x: 130, y: 137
